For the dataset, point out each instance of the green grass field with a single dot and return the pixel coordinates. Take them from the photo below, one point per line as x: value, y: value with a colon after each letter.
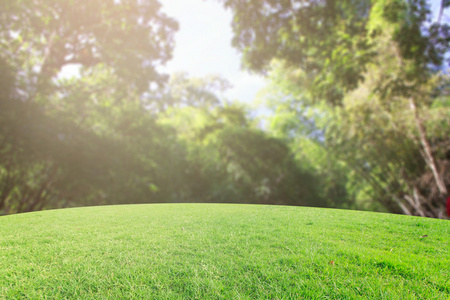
x: 222, y: 251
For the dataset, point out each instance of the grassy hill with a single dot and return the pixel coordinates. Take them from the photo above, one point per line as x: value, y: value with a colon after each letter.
x: 222, y: 251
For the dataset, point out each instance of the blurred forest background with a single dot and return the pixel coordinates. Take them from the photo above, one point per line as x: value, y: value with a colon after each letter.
x: 358, y: 89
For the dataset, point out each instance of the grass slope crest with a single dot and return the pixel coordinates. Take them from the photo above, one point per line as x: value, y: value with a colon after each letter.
x: 222, y: 251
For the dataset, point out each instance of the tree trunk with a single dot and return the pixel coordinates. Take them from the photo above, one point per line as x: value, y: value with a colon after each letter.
x: 427, y: 153
x: 441, y: 11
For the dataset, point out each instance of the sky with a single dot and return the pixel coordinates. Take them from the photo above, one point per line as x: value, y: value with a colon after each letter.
x: 203, y: 46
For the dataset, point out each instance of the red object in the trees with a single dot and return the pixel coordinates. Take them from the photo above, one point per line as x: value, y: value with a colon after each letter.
x: 448, y: 206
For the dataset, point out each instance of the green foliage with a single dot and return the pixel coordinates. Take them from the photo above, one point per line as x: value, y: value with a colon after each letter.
x: 72, y: 151
x: 326, y: 39
x: 229, y: 159
x: 86, y: 140
x: 361, y: 116
x: 132, y: 37
x: 366, y: 152
x: 333, y: 41
x: 94, y: 141
x: 359, y: 84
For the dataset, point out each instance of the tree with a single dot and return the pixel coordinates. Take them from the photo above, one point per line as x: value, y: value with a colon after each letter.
x: 60, y: 144
x: 332, y: 41
x: 369, y: 148
x: 228, y: 159
x: 325, y: 38
x: 337, y: 46
x: 130, y: 36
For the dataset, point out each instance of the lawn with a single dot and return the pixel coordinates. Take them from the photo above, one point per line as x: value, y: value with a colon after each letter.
x: 222, y: 251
